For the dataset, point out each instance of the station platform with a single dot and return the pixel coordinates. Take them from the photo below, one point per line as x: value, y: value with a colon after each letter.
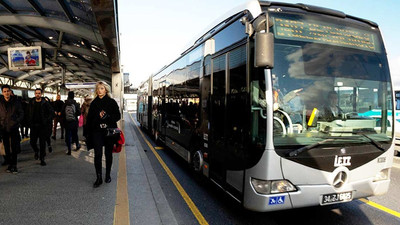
x: 62, y: 191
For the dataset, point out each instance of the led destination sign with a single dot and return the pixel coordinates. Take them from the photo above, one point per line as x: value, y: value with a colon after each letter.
x: 325, y: 33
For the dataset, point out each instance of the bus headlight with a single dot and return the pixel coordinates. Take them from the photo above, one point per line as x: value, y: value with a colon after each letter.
x: 382, y: 175
x: 272, y: 187
x: 279, y: 186
x: 261, y: 186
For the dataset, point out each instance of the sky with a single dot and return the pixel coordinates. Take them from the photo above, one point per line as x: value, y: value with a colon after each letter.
x: 154, y: 33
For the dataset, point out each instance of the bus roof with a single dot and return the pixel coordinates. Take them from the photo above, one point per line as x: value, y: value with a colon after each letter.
x: 254, y: 8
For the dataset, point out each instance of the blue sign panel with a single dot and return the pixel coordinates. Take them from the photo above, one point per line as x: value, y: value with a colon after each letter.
x: 276, y: 200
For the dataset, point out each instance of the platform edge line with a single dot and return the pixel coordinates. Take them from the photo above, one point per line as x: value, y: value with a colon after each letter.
x: 196, y: 212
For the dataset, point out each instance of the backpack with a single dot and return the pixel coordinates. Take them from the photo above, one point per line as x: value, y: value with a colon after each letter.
x: 70, y: 113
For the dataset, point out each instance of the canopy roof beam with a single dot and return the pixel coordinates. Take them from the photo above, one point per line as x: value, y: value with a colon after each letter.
x: 9, y: 9
x: 36, y: 7
x: 87, y: 44
x: 3, y: 61
x: 66, y: 60
x: 13, y: 34
x: 25, y: 75
x: 34, y: 34
x: 107, y: 20
x: 54, y: 24
x: 66, y: 11
x: 60, y: 37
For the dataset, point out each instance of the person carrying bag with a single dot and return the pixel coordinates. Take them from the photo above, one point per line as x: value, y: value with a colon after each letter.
x: 103, y: 116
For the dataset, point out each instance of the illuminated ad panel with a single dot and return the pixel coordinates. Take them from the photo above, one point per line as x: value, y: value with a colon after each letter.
x: 25, y: 58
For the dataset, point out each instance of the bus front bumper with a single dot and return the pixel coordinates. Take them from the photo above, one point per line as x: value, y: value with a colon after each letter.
x: 313, y: 195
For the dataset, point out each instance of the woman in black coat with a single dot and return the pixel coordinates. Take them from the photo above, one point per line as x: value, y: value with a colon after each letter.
x: 103, y: 113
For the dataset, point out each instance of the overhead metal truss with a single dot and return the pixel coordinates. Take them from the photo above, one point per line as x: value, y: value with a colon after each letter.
x: 20, y: 84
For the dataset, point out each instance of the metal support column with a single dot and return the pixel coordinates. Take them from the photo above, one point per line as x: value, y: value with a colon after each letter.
x: 117, y: 90
x: 63, y: 90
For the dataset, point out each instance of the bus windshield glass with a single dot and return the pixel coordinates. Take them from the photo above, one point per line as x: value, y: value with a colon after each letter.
x: 329, y: 81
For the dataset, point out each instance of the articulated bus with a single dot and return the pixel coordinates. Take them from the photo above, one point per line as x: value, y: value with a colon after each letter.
x: 271, y: 104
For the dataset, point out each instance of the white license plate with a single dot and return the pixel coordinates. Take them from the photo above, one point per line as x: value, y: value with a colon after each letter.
x: 337, y: 197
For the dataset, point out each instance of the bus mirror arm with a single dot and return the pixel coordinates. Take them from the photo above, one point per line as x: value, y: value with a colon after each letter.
x: 249, y: 29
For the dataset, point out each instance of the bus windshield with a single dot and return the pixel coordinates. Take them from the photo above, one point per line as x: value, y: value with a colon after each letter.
x: 325, y: 88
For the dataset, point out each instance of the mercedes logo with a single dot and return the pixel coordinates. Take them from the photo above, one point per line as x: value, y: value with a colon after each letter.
x: 339, y: 179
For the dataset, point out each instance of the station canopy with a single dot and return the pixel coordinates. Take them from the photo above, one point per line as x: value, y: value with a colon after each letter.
x: 79, y: 37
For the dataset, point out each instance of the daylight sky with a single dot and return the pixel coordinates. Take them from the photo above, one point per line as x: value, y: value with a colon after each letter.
x: 154, y: 33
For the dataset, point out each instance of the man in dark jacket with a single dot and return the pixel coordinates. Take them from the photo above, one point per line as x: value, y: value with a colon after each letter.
x: 40, y: 115
x: 70, y: 112
x: 11, y: 115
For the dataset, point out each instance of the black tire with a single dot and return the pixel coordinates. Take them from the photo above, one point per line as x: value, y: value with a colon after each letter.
x: 197, y: 161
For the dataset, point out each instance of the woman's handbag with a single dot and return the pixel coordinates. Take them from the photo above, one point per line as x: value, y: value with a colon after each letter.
x: 80, y: 120
x: 118, y: 146
x: 113, y: 132
x: 2, y: 150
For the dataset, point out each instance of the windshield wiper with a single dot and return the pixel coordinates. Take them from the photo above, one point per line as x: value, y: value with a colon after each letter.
x: 371, y: 140
x: 308, y: 147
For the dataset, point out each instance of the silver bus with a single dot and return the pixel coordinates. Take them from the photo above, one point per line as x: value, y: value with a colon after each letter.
x: 276, y: 103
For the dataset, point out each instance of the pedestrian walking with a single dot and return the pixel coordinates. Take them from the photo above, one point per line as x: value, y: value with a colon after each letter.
x: 70, y: 112
x: 25, y: 123
x: 49, y: 126
x: 103, y: 113
x: 58, y: 119
x: 85, y: 111
x: 40, y: 115
x: 11, y: 115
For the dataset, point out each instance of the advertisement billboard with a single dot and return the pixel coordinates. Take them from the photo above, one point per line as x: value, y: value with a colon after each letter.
x: 25, y: 58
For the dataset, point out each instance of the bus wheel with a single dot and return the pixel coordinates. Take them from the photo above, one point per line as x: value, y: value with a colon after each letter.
x: 197, y: 161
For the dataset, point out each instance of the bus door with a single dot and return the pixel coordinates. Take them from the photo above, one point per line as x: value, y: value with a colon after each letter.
x: 158, y: 110
x: 237, y: 120
x: 229, y: 126
x: 217, y: 141
x: 163, y: 110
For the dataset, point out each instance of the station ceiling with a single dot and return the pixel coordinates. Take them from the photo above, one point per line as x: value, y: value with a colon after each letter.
x: 80, y: 36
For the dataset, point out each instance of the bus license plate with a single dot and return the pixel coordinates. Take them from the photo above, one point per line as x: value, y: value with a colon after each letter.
x: 337, y: 197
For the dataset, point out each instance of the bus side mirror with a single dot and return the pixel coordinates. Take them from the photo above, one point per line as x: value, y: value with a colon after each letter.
x: 264, y: 50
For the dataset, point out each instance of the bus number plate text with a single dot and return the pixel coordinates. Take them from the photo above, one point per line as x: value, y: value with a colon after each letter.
x: 337, y: 197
